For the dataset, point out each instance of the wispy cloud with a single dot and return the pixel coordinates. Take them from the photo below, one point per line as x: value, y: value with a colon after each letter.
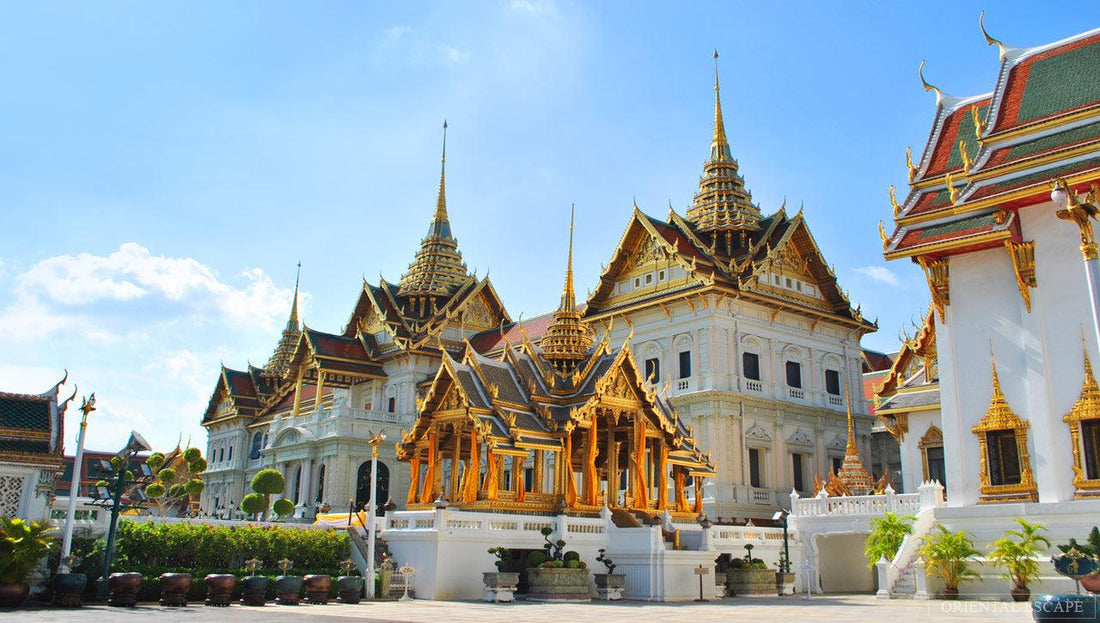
x: 454, y: 55
x: 879, y: 273
x: 533, y: 6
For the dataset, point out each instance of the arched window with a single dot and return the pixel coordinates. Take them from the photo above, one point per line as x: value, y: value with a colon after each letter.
x: 391, y: 404
x: 320, y: 485
x: 257, y: 444
x: 362, y: 486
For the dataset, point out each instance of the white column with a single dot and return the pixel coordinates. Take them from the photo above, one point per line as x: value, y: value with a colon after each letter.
x: 303, y: 485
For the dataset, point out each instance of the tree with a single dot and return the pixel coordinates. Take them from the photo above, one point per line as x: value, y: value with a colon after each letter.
x: 253, y: 504
x: 887, y: 533
x: 268, y: 482
x: 174, y: 483
x: 948, y: 555
x: 283, y: 507
x: 1017, y: 550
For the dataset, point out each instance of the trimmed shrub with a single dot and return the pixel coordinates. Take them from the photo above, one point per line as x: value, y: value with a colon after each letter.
x: 155, y: 461
x: 154, y: 490
x: 194, y: 487
x: 166, y: 475
x: 253, y: 504
x: 535, y: 559
x: 571, y: 555
x: 268, y: 482
x: 197, y: 466
x: 283, y: 507
x: 192, y: 454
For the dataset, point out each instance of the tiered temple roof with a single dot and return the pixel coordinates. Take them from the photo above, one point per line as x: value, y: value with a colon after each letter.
x: 32, y: 427
x: 913, y: 382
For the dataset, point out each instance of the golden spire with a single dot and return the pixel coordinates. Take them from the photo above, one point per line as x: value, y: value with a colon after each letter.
x: 293, y: 320
x: 567, y: 340
x: 438, y: 269
x: 278, y: 366
x: 988, y: 39
x: 722, y: 203
x: 852, y: 473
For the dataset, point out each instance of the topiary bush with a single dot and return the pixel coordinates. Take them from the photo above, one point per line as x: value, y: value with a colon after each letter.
x: 283, y: 507
x: 571, y: 555
x: 535, y: 559
x: 268, y: 482
x: 253, y: 504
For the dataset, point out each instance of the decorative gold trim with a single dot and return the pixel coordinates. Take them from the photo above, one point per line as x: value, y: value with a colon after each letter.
x: 1023, y: 264
x: 995, y: 236
x: 937, y: 274
x: 933, y: 438
x: 1085, y: 409
x: 1000, y: 417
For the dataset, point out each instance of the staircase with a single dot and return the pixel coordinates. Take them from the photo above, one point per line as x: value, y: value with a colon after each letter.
x: 623, y: 518
x: 906, y: 584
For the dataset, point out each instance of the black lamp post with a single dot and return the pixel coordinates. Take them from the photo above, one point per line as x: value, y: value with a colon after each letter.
x: 112, y: 496
x: 781, y: 515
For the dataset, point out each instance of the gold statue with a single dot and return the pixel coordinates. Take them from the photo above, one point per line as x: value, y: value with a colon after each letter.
x: 1082, y: 213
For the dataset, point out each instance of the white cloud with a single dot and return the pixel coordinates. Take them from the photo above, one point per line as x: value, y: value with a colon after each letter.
x: 879, y: 273
x: 395, y: 33
x: 533, y: 6
x: 455, y: 55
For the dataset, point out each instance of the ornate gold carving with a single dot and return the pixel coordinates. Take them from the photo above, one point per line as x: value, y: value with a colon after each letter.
x: 952, y: 192
x: 883, y: 236
x: 1081, y: 213
x: 933, y: 438
x: 979, y: 127
x: 1023, y: 263
x: 894, y: 201
x: 1087, y: 408
x: 1000, y: 417
x: 965, y: 156
x: 909, y: 164
x: 937, y: 274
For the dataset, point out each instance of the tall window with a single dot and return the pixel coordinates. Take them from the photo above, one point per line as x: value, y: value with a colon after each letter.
x: 1004, y: 457
x: 796, y: 472
x: 754, y: 467
x: 391, y: 404
x: 794, y: 374
x: 750, y: 364
x: 230, y: 453
x: 937, y: 469
x: 685, y: 364
x: 1090, y: 430
x: 257, y: 442
x: 221, y: 454
x: 320, y: 497
x: 652, y: 370
x: 832, y: 382
x: 838, y: 462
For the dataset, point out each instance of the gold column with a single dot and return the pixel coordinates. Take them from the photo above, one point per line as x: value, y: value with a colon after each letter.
x: 298, y: 395
x: 429, y: 476
x: 414, y: 480
x: 698, y: 495
x: 681, y: 498
x: 662, y: 478
x: 540, y: 461
x: 452, y: 492
x: 320, y: 390
x: 612, y: 464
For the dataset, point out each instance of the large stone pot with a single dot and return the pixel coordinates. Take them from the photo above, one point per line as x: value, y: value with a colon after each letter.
x: 174, y: 588
x: 500, y: 586
x: 559, y: 584
x: 784, y: 583
x: 288, y: 589
x: 219, y: 589
x: 349, y: 587
x: 317, y: 588
x: 740, y: 582
x: 1064, y: 608
x: 254, y: 590
x: 609, y: 586
x: 68, y: 589
x: 13, y: 595
x: 124, y: 589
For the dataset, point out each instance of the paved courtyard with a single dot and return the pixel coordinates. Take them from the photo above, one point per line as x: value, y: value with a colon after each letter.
x: 844, y: 609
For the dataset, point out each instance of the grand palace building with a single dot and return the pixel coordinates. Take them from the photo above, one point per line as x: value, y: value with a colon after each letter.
x: 740, y: 345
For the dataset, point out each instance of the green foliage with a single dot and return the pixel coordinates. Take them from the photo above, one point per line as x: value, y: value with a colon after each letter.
x: 154, y: 490
x: 192, y: 454
x: 166, y: 475
x: 102, y: 483
x: 22, y: 545
x: 194, y: 486
x: 1016, y: 551
x: 553, y: 564
x: 1092, y: 549
x: 948, y: 555
x: 572, y: 564
x: 571, y: 555
x: 737, y: 563
x: 197, y: 466
x: 887, y: 533
x: 268, y: 482
x: 535, y: 559
x: 607, y: 562
x: 283, y: 507
x: 129, y: 476
x: 118, y: 462
x: 155, y: 462
x: 176, y: 491
x: 253, y: 504
x: 501, y: 554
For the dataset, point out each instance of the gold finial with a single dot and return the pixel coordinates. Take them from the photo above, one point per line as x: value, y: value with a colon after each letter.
x: 719, y: 144
x: 568, y: 297
x: 883, y: 236
x: 909, y: 163
x: 347, y: 565
x: 990, y: 40
x: 852, y: 449
x: 441, y: 200
x: 252, y: 564
x: 926, y: 85
x: 965, y: 156
x: 87, y: 405
x: 953, y: 192
x: 979, y: 126
x: 285, y: 564
x: 292, y: 323
x: 894, y: 201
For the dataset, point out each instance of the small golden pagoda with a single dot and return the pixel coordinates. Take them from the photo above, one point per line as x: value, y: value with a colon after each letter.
x: 852, y: 474
x: 567, y: 341
x: 278, y: 367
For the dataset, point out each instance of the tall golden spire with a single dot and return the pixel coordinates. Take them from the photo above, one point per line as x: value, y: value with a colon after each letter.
x: 438, y: 269
x: 567, y: 340
x: 278, y: 366
x: 852, y: 473
x: 722, y: 203
x: 292, y: 322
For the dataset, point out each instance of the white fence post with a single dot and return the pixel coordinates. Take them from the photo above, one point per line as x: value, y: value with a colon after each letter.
x: 881, y: 569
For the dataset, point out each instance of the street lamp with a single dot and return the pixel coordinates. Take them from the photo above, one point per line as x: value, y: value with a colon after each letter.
x: 1082, y: 213
x: 113, y: 495
x: 86, y: 406
x: 375, y: 441
x: 781, y: 515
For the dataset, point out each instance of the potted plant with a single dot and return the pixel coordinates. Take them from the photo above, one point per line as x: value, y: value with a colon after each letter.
x: 22, y: 545
x: 317, y: 588
x: 609, y: 586
x: 68, y: 588
x: 174, y: 588
x: 288, y: 588
x: 1091, y: 550
x: 219, y: 589
x: 124, y: 589
x: 1076, y: 562
x: 887, y: 533
x: 1016, y: 552
x: 559, y: 576
x: 948, y: 555
x: 253, y: 587
x: 500, y: 586
x: 784, y: 579
x: 749, y: 576
x: 349, y: 587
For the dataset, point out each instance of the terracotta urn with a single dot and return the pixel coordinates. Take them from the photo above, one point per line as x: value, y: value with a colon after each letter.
x: 349, y: 587
x: 288, y: 589
x: 254, y: 590
x: 1020, y: 593
x: 124, y: 589
x: 68, y: 589
x: 174, y: 588
x: 317, y: 588
x: 951, y: 593
x: 1091, y: 583
x: 13, y: 595
x: 219, y: 589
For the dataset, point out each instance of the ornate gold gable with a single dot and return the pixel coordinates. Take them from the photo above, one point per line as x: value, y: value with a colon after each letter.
x: 1087, y: 408
x: 1000, y: 417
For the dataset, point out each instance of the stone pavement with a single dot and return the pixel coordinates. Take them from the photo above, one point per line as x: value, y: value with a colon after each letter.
x: 845, y: 609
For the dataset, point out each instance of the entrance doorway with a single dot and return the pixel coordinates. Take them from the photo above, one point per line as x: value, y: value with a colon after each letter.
x: 362, y: 486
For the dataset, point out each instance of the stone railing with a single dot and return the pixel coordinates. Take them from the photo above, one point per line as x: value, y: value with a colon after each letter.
x: 506, y: 525
x: 746, y: 494
x: 929, y: 495
x: 754, y: 386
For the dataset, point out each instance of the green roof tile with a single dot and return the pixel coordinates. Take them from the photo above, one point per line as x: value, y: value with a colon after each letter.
x: 1060, y: 83
x: 24, y: 413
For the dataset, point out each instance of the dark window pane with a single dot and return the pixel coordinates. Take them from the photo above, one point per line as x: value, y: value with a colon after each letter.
x: 832, y: 382
x: 837, y: 464
x: 794, y: 374
x: 754, y: 467
x: 1091, y: 432
x: 796, y: 471
x: 391, y: 405
x: 751, y: 365
x: 1004, y: 457
x: 653, y: 370
x: 685, y: 364
x: 936, y: 468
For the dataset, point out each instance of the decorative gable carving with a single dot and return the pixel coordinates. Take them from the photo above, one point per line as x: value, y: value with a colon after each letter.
x: 758, y: 432
x: 839, y: 443
x: 801, y: 437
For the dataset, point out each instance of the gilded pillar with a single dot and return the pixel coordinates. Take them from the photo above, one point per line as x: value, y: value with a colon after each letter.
x: 414, y: 481
x: 452, y: 487
x: 298, y: 395
x: 540, y: 461
x: 320, y: 390
x: 662, y: 478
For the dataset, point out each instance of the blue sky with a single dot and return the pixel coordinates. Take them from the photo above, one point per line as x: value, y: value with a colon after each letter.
x: 164, y: 166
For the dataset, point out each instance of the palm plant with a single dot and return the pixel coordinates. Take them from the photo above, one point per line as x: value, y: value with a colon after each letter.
x: 1016, y: 551
x: 22, y: 545
x: 887, y: 533
x: 948, y: 555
